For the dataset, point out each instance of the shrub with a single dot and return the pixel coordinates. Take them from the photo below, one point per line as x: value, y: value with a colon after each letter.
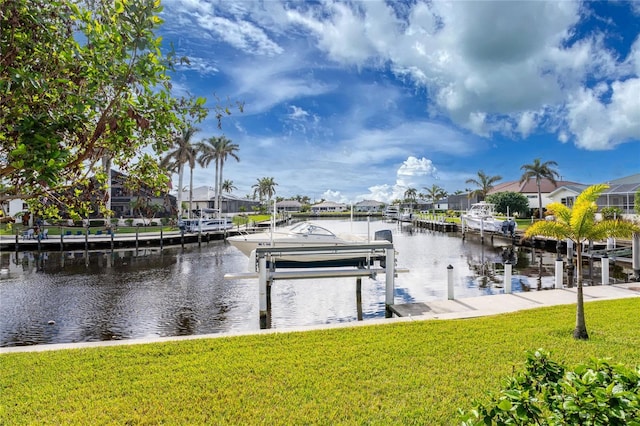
x: 611, y: 213
x: 547, y: 393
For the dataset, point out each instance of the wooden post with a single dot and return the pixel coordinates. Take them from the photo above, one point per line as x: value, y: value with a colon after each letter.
x: 450, y: 282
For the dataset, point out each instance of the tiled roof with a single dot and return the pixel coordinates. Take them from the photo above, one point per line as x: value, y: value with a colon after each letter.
x: 530, y: 186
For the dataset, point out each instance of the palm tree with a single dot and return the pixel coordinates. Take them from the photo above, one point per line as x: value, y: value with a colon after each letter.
x: 578, y: 224
x: 192, y: 164
x: 224, y: 149
x: 217, y: 149
x: 484, y: 184
x: 207, y: 153
x: 228, y: 186
x: 435, y: 193
x: 540, y: 171
x: 182, y: 153
x: 265, y: 187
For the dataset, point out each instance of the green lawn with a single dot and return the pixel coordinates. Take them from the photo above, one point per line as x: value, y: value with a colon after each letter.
x: 402, y: 373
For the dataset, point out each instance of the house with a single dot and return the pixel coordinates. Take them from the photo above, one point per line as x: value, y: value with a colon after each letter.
x: 123, y: 200
x: 328, y: 207
x: 291, y: 206
x: 529, y: 189
x: 461, y: 202
x: 621, y: 193
x: 566, y: 194
x: 203, y: 197
x: 368, y: 206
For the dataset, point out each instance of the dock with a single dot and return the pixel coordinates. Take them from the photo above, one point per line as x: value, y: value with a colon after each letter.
x: 479, y: 306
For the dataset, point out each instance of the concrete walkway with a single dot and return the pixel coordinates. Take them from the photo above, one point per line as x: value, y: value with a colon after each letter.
x: 441, y: 309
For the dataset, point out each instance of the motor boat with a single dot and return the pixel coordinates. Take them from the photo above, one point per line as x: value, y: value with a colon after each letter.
x: 206, y: 225
x: 207, y: 222
x: 482, y: 216
x: 307, y: 235
x: 392, y: 212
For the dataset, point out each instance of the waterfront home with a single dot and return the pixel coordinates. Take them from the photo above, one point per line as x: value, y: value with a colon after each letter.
x: 289, y: 206
x: 368, y: 206
x: 329, y: 207
x: 529, y: 189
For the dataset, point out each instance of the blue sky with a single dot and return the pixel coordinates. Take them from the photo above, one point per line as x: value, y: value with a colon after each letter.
x: 361, y: 100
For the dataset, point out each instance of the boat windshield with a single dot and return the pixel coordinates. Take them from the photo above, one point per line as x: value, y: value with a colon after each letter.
x: 310, y: 229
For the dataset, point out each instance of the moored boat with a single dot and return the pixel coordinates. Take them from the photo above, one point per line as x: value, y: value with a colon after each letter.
x: 305, y: 235
x: 482, y: 216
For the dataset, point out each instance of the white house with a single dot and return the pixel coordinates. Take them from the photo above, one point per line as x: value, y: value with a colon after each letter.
x: 621, y: 194
x: 328, y: 207
x: 529, y: 189
x: 369, y: 206
x: 291, y: 206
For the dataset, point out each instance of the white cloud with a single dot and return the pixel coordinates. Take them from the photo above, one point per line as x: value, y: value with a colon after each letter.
x: 602, y: 125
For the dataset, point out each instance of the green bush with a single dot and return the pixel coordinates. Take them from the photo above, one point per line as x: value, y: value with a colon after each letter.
x: 611, y: 213
x: 547, y: 393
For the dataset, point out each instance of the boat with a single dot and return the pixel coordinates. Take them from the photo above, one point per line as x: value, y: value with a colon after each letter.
x: 306, y: 234
x: 207, y: 222
x: 482, y: 216
x: 392, y: 212
x: 406, y: 215
x: 207, y: 225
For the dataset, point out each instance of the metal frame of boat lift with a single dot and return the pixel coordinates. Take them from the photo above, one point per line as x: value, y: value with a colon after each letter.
x: 267, y: 272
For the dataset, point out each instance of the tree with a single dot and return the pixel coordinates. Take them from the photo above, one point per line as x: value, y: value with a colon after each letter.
x: 216, y: 149
x: 228, y: 186
x: 265, y: 187
x: 510, y: 203
x: 183, y: 152
x: 224, y: 149
x: 484, y: 183
x: 410, y: 195
x: 539, y: 171
x: 579, y: 225
x: 435, y: 193
x: 82, y: 81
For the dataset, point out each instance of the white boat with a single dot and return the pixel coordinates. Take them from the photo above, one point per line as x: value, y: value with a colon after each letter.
x: 482, y: 216
x: 407, y: 215
x: 208, y: 225
x: 306, y: 234
x: 392, y: 212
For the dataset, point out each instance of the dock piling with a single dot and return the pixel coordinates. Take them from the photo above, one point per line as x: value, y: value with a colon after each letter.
x: 604, y: 263
x: 559, y: 274
x: 450, y: 282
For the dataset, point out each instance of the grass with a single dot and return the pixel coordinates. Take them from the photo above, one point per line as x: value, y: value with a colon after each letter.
x: 399, y: 373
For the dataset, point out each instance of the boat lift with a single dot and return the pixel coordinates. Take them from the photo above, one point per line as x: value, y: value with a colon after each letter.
x: 268, y: 271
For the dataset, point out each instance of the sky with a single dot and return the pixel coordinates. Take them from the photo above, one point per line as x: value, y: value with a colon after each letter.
x: 348, y: 101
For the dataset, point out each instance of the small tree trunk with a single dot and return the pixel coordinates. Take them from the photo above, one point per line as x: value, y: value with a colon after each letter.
x: 580, y: 331
x: 540, y: 201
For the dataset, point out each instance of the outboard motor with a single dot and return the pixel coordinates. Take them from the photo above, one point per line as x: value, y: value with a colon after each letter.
x: 384, y: 234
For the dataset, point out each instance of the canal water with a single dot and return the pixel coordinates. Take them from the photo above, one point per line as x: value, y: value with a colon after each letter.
x: 53, y: 297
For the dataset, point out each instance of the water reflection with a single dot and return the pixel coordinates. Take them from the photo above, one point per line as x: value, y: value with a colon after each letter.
x: 104, y: 295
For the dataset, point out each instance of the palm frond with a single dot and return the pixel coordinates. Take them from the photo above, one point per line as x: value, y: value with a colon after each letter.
x: 560, y: 211
x: 554, y: 229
